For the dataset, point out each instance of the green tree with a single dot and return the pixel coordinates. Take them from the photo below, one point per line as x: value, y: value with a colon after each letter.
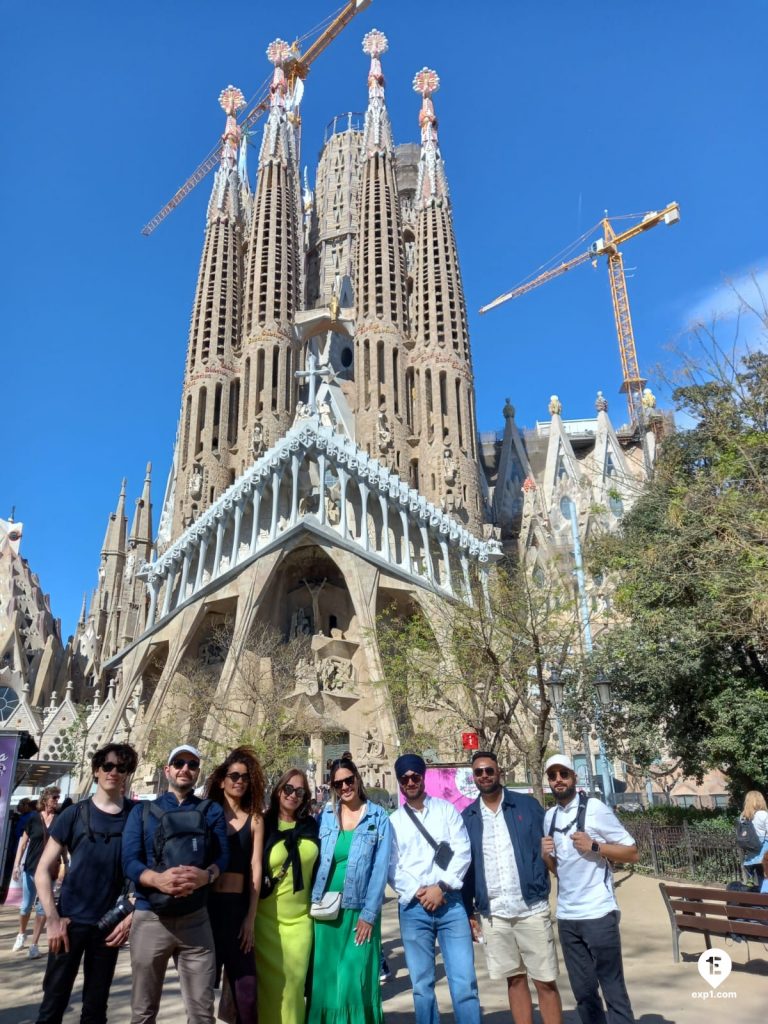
x: 483, y: 668
x: 688, y: 651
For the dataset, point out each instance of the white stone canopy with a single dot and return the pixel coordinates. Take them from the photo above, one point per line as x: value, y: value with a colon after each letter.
x: 315, y: 477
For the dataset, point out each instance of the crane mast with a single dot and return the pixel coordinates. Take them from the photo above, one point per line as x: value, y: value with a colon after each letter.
x: 609, y: 246
x: 298, y: 69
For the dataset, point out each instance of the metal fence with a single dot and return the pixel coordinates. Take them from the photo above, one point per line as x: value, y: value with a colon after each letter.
x: 685, y: 852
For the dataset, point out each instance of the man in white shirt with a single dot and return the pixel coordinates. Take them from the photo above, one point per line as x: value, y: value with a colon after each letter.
x: 587, y: 913
x: 427, y: 872
x: 508, y: 885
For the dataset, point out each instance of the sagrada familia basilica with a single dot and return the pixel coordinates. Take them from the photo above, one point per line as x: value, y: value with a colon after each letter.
x: 327, y: 463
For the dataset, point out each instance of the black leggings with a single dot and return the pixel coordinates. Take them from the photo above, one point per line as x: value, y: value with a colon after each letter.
x: 227, y: 911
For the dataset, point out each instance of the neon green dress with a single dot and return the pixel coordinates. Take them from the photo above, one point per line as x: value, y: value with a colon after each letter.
x: 345, y: 978
x: 282, y: 938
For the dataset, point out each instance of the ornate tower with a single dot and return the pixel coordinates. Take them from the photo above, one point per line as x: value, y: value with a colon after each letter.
x: 440, y: 386
x: 273, y: 278
x: 138, y: 551
x: 206, y: 457
x: 380, y: 284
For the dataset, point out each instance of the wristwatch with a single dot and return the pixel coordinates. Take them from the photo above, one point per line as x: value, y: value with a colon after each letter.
x: 595, y: 847
x: 211, y: 876
x: 443, y: 887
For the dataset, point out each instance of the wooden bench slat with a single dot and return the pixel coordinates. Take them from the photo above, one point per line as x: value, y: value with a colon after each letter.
x: 755, y: 931
x: 757, y: 914
x: 700, y: 892
x: 694, y: 907
x: 719, y: 926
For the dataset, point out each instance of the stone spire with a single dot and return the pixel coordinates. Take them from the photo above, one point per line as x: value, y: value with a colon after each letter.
x: 380, y: 284
x: 210, y: 412
x: 440, y: 369
x: 141, y: 528
x: 133, y: 611
x: 273, y: 277
x: 114, y: 538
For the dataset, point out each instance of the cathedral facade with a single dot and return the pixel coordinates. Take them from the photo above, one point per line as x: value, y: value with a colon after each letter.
x: 327, y: 464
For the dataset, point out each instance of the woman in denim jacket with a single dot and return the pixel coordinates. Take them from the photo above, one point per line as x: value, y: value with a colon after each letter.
x: 355, y: 841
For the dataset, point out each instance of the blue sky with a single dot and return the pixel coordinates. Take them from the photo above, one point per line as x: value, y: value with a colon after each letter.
x: 549, y: 113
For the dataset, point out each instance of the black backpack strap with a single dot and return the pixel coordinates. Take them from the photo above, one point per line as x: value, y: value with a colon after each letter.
x: 414, y: 818
x: 581, y: 814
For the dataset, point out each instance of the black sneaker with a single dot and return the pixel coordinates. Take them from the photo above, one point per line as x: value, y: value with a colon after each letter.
x: 384, y: 973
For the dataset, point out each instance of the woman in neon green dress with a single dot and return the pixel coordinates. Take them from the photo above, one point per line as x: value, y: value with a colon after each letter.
x: 355, y: 842
x: 283, y: 928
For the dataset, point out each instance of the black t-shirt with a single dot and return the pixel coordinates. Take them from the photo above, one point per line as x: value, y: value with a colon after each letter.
x: 95, y: 876
x: 36, y: 830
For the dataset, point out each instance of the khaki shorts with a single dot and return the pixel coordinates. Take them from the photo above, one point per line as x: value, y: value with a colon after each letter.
x: 520, y: 945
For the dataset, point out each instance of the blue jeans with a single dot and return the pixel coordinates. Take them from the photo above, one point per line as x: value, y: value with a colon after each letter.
x: 450, y: 926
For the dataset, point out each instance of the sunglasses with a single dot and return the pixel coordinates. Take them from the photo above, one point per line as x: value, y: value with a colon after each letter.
x: 409, y: 777
x: 339, y: 784
x: 558, y: 773
x: 110, y: 766
x: 237, y: 776
x: 184, y: 762
x: 484, y: 770
x: 290, y: 790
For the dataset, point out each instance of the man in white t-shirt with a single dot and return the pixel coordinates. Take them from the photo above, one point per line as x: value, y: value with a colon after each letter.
x: 587, y: 913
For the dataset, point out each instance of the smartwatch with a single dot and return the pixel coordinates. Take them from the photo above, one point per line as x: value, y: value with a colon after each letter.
x: 443, y: 887
x: 595, y: 847
x: 211, y: 876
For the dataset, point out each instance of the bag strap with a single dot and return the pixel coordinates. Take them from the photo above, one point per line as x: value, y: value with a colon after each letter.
x: 415, y: 819
x: 578, y: 821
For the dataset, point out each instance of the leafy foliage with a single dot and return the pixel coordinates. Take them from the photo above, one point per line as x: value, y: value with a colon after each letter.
x: 688, y: 652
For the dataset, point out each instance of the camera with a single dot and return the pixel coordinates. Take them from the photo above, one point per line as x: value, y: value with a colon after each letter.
x: 109, y: 921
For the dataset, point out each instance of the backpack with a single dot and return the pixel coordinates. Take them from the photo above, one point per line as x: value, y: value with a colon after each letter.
x: 182, y: 838
x: 747, y: 838
x: 581, y: 817
x: 83, y: 827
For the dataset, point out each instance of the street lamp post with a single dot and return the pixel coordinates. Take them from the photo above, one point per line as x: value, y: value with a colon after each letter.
x: 556, y: 688
x: 603, y: 688
x: 568, y: 509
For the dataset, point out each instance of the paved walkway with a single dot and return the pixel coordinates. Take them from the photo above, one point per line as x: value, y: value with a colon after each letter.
x: 660, y: 989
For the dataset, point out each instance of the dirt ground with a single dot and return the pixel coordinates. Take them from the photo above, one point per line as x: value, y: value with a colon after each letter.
x: 661, y: 991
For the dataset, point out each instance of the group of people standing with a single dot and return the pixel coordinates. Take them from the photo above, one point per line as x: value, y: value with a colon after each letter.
x: 283, y: 909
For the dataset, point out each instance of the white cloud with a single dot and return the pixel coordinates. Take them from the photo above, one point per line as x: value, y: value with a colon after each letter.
x: 732, y: 298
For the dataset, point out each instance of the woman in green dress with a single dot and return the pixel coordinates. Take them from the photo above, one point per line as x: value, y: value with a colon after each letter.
x: 283, y: 928
x: 355, y: 842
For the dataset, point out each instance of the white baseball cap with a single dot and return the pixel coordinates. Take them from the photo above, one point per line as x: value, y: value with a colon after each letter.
x: 184, y: 747
x: 561, y: 760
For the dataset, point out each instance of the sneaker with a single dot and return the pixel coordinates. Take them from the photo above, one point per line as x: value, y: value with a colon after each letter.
x: 385, y: 974
x: 20, y: 942
x: 34, y: 953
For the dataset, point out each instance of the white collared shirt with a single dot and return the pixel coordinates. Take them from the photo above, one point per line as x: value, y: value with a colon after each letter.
x: 412, y: 861
x: 584, y: 880
x: 502, y: 879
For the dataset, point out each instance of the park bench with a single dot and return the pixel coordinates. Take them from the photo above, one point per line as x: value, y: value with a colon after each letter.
x: 712, y: 911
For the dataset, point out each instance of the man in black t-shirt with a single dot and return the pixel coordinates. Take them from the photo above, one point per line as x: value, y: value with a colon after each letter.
x: 92, y: 832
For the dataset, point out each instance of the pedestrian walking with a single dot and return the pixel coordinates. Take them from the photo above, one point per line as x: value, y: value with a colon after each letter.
x: 283, y: 932
x: 29, y: 851
x: 755, y: 813
x: 174, y: 848
x: 507, y: 884
x: 238, y: 786
x: 581, y: 836
x: 430, y: 857
x: 93, y: 916
x: 355, y: 845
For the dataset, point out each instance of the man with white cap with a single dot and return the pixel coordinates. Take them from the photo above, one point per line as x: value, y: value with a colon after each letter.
x: 581, y: 836
x: 174, y: 848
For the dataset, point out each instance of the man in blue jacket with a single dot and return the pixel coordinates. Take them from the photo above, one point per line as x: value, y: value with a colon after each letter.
x: 507, y: 885
x: 181, y: 928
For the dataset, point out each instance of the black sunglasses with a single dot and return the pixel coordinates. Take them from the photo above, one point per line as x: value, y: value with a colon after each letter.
x: 338, y: 784
x: 558, y: 773
x: 180, y: 762
x: 110, y: 766
x: 290, y: 790
x: 237, y: 776
x: 485, y: 769
x: 410, y: 777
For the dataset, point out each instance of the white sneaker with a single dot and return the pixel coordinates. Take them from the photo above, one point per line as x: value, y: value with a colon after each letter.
x: 20, y: 942
x: 34, y: 953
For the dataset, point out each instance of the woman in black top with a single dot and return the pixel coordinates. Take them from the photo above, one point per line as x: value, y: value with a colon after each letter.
x: 238, y: 785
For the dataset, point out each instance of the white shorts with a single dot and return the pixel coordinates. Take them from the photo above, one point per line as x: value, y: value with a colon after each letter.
x: 520, y: 945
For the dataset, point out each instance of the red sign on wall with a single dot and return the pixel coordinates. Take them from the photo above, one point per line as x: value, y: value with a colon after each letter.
x: 470, y: 740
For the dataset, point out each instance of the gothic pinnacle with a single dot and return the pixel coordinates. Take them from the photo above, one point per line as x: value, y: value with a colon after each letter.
x: 231, y: 100
x: 431, y: 181
x: 377, y: 130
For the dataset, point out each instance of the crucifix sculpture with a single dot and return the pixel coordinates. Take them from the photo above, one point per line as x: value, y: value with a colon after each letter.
x: 314, y: 373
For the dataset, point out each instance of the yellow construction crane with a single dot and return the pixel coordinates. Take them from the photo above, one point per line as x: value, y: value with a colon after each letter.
x: 608, y: 245
x: 297, y: 69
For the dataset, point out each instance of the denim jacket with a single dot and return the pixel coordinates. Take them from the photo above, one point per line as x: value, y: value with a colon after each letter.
x: 368, y: 861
